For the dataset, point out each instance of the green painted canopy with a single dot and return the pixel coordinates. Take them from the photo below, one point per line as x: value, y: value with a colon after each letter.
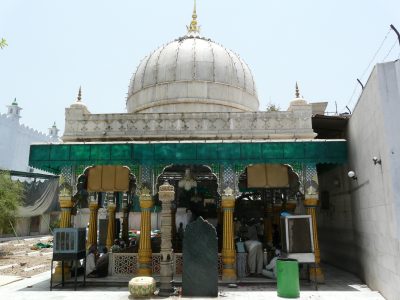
x: 52, y: 157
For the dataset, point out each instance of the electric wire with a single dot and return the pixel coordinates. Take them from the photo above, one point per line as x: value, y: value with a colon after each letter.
x: 390, y: 51
x: 367, y: 68
x: 376, y: 54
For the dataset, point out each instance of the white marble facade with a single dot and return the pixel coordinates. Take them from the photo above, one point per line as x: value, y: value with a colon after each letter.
x: 80, y: 125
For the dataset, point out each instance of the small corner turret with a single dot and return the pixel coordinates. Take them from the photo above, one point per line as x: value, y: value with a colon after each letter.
x: 53, y: 133
x: 14, y: 111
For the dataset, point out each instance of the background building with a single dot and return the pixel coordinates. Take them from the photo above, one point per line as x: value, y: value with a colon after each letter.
x: 41, y: 189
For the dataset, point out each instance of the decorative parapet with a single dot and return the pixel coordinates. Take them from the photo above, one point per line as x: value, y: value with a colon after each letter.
x: 22, y: 129
x: 191, y: 126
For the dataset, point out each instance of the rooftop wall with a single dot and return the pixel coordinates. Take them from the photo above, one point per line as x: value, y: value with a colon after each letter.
x: 363, y: 225
x: 15, y: 140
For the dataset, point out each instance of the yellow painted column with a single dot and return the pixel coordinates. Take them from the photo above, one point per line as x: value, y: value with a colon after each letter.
x: 228, y: 246
x: 144, y: 255
x: 65, y: 222
x: 92, y: 232
x: 111, y: 207
x: 316, y: 273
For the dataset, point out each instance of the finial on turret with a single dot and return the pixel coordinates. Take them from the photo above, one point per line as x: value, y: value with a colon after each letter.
x: 297, y: 91
x: 193, y: 27
x: 79, y: 95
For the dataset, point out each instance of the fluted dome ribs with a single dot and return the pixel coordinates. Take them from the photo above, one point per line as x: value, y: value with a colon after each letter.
x: 192, y: 74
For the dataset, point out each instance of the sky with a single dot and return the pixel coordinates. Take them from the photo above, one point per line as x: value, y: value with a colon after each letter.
x: 56, y: 46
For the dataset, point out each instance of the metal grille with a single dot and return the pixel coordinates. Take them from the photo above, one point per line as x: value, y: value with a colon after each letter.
x: 228, y: 178
x: 124, y: 264
x: 146, y: 176
x: 220, y: 264
x: 155, y: 263
x: 311, y: 172
x: 66, y: 174
x: 178, y: 264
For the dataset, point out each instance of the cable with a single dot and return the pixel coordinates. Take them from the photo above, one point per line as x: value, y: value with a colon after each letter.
x: 376, y: 53
x: 367, y: 68
x: 352, y: 95
x: 394, y: 44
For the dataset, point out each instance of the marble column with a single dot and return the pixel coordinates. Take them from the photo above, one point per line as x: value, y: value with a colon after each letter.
x: 92, y: 232
x: 166, y: 195
x: 228, y: 245
x: 111, y: 207
x: 144, y: 261
x: 125, y: 219
x: 311, y: 202
x: 65, y: 222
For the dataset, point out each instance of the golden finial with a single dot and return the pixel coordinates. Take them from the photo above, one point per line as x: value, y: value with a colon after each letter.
x: 193, y: 28
x: 79, y: 95
x: 297, y: 91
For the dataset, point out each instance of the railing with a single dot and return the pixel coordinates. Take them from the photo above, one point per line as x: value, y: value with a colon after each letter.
x: 126, y: 264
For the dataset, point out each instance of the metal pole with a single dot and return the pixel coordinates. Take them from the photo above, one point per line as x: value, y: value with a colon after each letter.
x: 48, y: 225
x: 15, y: 233
x: 395, y: 30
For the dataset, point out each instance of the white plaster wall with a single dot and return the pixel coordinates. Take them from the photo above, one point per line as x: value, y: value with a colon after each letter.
x: 15, y: 143
x: 335, y: 224
x: 22, y: 226
x: 374, y: 131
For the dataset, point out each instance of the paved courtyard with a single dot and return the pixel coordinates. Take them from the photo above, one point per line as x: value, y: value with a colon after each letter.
x: 339, y: 286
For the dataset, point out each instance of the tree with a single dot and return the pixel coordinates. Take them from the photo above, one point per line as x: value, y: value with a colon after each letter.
x: 11, y: 193
x: 273, y: 107
x: 3, y: 43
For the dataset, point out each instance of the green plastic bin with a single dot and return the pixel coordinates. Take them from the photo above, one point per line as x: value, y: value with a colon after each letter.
x: 288, y: 278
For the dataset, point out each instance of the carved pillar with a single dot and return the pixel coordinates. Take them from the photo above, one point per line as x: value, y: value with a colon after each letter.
x: 144, y: 263
x: 92, y: 232
x: 311, y: 202
x: 166, y: 195
x: 65, y: 222
x: 125, y: 219
x: 111, y: 207
x: 228, y: 246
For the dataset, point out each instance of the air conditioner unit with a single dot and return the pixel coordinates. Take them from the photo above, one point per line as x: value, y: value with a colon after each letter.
x: 297, y: 238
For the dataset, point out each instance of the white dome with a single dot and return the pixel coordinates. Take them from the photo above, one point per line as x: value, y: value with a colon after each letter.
x: 192, y: 74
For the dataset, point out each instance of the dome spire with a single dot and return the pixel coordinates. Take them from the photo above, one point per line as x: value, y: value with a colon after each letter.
x: 297, y: 91
x: 79, y: 95
x: 193, y: 27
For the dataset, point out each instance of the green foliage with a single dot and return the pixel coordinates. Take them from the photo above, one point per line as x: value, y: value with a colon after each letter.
x: 11, y: 193
x: 3, y: 43
x: 273, y: 107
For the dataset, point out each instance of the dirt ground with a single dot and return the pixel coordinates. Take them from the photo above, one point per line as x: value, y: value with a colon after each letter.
x: 17, y: 258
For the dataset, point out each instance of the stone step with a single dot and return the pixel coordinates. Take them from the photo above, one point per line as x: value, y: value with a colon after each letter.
x: 34, y: 268
x: 8, y: 266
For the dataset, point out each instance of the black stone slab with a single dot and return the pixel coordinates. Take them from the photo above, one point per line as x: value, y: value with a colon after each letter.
x: 103, y: 223
x: 200, y: 260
